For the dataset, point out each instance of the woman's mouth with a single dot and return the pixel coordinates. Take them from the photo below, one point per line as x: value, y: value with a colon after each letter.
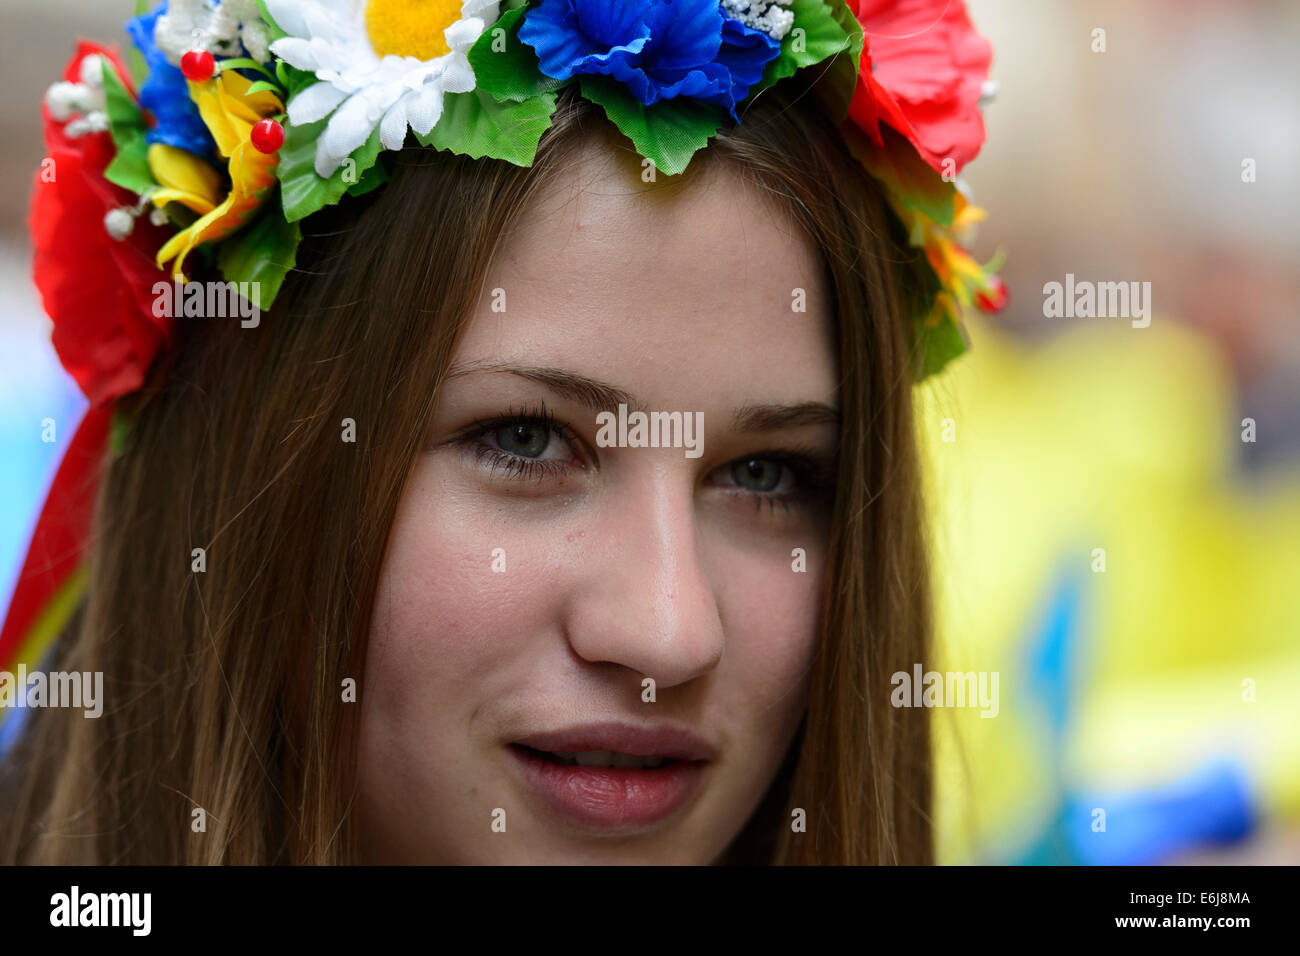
x: 602, y: 758
x: 638, y: 779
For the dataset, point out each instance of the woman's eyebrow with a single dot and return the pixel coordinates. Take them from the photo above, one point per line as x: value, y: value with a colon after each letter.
x: 590, y: 392
x: 763, y: 418
x: 602, y: 396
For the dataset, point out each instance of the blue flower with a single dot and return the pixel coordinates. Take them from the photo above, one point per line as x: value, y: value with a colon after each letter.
x: 658, y: 49
x: 166, y: 94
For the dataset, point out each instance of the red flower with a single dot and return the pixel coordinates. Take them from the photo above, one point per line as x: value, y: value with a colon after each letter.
x: 995, y: 299
x: 96, y: 289
x: 922, y: 70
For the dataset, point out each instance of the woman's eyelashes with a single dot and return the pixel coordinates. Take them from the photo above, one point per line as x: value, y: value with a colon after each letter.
x: 528, y: 445
x: 777, y: 478
x: 532, y: 445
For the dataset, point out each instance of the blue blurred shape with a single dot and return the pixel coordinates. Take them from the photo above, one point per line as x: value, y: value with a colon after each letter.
x: 1212, y: 805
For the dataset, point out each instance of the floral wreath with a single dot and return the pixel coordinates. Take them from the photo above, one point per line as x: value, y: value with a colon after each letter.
x: 233, y: 120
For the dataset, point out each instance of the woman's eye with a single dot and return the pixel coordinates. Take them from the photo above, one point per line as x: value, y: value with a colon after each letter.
x: 525, y: 439
x: 525, y: 446
x: 757, y: 474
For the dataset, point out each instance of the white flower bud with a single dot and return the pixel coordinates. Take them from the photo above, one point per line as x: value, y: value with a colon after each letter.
x: 62, y: 98
x: 172, y: 38
x: 119, y: 223
x: 257, y: 40
x: 223, y: 25
x: 92, y: 70
x: 779, y: 23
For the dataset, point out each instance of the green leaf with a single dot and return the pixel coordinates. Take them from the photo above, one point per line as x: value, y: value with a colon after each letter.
x: 123, y: 111
x: 667, y: 133
x: 245, y: 63
x: 836, y: 91
x: 138, y: 67
x: 939, y: 345
x: 261, y: 86
x: 511, y: 72
x: 130, y: 165
x: 302, y: 191
x: 370, y: 180
x: 263, y: 253
x: 293, y: 79
x: 119, y: 429
x: 475, y: 124
x: 821, y: 29
x: 904, y: 172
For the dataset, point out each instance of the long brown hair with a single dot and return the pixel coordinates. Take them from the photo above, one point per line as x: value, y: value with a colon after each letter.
x: 222, y: 687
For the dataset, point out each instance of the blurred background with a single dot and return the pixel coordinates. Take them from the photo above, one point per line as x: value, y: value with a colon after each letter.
x: 1111, y: 536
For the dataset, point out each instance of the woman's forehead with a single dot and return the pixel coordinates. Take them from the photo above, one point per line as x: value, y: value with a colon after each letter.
x: 670, y: 288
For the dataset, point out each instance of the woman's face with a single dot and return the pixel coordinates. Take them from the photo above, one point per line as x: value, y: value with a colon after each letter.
x: 540, y: 575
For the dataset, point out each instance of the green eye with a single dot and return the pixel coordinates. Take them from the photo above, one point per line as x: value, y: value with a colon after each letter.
x: 757, y: 474
x: 525, y: 439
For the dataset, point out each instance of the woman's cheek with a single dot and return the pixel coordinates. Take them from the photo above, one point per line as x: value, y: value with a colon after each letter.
x: 769, y: 602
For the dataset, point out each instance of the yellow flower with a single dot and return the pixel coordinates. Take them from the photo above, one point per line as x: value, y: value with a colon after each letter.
x: 230, y: 112
x: 186, y: 179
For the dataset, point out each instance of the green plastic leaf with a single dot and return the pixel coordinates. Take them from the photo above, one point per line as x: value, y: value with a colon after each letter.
x: 506, y: 67
x: 245, y: 63
x: 262, y: 86
x: 667, y: 133
x: 123, y: 111
x: 475, y: 124
x: 939, y: 345
x: 135, y: 62
x: 821, y: 29
x: 370, y: 180
x: 836, y: 90
x: 119, y: 429
x: 263, y: 253
x: 302, y: 191
x: 292, y: 79
x: 130, y: 165
x: 904, y: 172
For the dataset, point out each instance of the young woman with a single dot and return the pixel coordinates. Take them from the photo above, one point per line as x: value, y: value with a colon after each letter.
x: 397, y: 575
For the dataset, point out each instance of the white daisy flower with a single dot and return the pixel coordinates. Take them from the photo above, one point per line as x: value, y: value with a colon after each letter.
x: 381, y: 63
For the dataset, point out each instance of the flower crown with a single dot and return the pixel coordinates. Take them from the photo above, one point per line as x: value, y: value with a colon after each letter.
x: 233, y: 120
x: 251, y: 115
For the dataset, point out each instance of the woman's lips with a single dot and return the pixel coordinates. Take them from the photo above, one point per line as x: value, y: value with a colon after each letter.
x: 614, y: 799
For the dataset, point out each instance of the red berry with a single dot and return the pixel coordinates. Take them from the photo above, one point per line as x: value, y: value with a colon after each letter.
x: 198, y: 65
x: 267, y: 136
x: 995, y: 299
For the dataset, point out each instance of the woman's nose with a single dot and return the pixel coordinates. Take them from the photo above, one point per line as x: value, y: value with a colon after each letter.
x: 645, y: 600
